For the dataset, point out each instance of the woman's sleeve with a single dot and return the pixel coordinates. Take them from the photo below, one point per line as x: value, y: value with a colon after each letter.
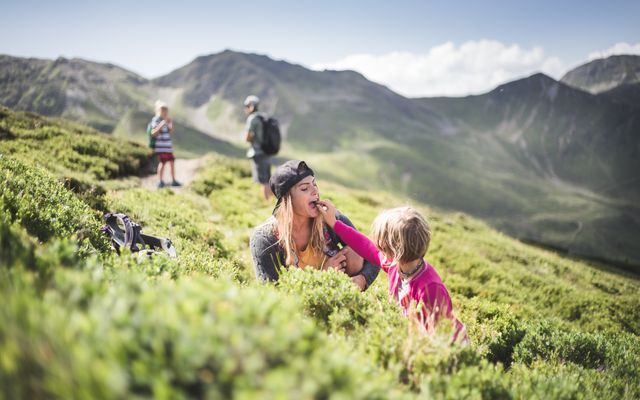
x: 371, y: 267
x: 264, y: 251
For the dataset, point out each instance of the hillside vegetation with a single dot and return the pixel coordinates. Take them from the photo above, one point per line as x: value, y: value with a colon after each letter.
x: 78, y: 321
x: 91, y: 92
x: 537, y: 158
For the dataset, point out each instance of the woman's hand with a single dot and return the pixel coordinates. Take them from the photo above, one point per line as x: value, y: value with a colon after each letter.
x: 328, y: 212
x: 359, y: 281
x: 337, y: 262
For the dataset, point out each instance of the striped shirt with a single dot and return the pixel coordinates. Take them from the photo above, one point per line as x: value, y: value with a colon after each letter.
x: 163, y: 140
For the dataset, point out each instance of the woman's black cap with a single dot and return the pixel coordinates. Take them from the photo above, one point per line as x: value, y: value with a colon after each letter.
x: 286, y: 176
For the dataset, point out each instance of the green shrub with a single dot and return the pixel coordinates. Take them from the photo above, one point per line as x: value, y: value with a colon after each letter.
x: 78, y: 155
x: 222, y: 172
x: 614, y: 358
x: 543, y: 380
x: 199, y: 326
x: 19, y: 250
x: 494, y: 329
x: 67, y: 148
x: 42, y: 205
x: 550, y: 342
x: 172, y: 339
x: 328, y: 296
x: 485, y: 381
x: 198, y: 239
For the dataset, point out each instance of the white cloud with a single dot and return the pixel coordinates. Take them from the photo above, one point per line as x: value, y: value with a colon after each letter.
x: 616, y: 49
x: 447, y: 69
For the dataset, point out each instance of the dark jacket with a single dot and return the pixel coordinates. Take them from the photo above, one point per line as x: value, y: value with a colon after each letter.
x: 268, y: 255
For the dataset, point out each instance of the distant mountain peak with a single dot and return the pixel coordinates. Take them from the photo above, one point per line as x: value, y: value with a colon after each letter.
x: 604, y: 74
x: 530, y: 84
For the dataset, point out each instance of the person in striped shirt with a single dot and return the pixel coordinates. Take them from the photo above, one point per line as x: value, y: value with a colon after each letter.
x: 161, y: 130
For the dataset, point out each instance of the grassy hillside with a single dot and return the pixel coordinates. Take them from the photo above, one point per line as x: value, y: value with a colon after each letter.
x: 89, y: 92
x: 89, y: 324
x: 79, y: 155
x: 536, y: 158
x: 536, y: 126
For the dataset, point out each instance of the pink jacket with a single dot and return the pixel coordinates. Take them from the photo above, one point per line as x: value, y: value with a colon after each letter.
x: 426, y: 288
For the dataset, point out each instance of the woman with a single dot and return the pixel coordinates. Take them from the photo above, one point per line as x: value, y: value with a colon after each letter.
x: 296, y: 234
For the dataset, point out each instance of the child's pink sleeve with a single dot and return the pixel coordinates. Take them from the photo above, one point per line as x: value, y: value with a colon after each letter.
x: 358, y: 242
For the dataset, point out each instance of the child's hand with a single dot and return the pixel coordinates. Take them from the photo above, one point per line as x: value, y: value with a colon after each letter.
x: 337, y: 262
x: 359, y: 281
x: 328, y: 211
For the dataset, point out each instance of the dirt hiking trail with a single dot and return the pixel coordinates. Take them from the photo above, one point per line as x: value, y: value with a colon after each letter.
x: 185, y: 173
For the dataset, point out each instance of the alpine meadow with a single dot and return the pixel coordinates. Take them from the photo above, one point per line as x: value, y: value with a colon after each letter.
x: 539, y: 159
x: 78, y: 321
x: 530, y: 186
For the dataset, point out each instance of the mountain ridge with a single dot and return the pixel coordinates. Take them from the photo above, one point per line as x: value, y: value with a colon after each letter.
x: 604, y: 74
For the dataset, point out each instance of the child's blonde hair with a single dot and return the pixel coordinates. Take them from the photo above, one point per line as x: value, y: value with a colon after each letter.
x: 160, y: 105
x: 402, y: 233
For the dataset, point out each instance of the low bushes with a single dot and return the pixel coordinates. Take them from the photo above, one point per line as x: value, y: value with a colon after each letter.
x: 88, y: 336
x: 90, y: 324
x: 42, y: 205
x: 329, y: 297
x: 66, y: 147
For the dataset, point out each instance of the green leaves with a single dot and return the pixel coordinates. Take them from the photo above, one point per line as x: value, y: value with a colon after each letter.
x: 194, y: 337
x: 329, y: 297
x: 67, y: 148
x: 41, y: 204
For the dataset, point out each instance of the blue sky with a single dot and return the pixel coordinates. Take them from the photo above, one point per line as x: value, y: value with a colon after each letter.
x: 152, y: 38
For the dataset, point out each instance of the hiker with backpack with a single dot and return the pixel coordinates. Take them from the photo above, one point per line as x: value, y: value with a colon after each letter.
x: 263, y: 133
x: 159, y: 131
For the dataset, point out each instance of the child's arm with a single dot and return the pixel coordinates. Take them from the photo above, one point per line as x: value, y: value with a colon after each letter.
x: 155, y: 129
x: 369, y: 271
x: 356, y: 240
x: 170, y: 125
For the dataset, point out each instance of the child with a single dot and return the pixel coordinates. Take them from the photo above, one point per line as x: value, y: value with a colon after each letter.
x: 401, y: 238
x: 161, y: 129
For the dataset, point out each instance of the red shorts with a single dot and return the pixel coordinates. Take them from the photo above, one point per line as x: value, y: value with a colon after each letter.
x: 164, y: 157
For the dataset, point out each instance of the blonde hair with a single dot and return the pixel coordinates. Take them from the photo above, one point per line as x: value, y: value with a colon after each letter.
x: 160, y: 105
x: 403, y: 233
x: 284, y: 224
